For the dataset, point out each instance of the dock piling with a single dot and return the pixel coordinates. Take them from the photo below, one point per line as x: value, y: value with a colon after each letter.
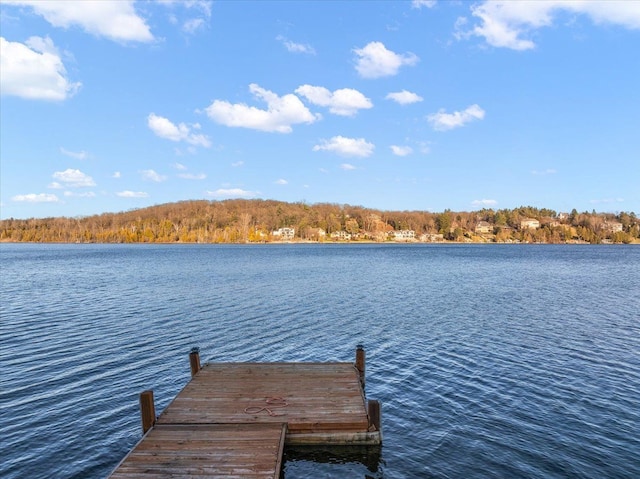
x: 373, y: 411
x: 147, y: 410
x: 360, y: 363
x: 194, y: 360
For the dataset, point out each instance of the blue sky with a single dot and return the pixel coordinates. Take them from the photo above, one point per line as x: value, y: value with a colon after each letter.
x: 109, y: 106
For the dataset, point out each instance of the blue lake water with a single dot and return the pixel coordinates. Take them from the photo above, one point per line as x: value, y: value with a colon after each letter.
x: 490, y: 361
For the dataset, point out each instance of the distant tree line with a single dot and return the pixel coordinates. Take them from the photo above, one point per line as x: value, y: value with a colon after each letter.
x: 250, y: 221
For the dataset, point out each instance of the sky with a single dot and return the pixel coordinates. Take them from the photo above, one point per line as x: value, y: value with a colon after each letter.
x: 424, y: 105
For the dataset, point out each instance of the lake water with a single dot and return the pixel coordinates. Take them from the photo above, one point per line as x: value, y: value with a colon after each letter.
x: 490, y: 361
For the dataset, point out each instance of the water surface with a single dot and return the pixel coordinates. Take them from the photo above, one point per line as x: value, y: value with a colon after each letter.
x: 489, y: 360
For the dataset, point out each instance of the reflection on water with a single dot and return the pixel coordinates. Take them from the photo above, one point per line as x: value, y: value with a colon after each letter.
x: 332, y: 461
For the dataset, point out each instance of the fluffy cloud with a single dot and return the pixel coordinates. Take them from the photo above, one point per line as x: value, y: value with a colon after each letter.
x: 344, y: 102
x: 36, y: 198
x: 282, y: 181
x: 346, y: 146
x: 423, y: 3
x: 151, y: 175
x: 404, y: 97
x: 78, y: 155
x: 132, y: 194
x: 347, y: 167
x: 507, y: 23
x: 296, y: 47
x: 281, y: 112
x: 607, y: 201
x: 375, y: 61
x: 192, y: 176
x: 442, y: 121
x: 113, y: 19
x: 164, y: 128
x: 34, y: 70
x: 88, y: 194
x: 72, y: 179
x: 484, y: 203
x: 401, y: 150
x: 201, y: 8
x: 231, y: 193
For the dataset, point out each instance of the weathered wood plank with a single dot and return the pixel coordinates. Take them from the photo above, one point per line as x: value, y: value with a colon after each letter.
x: 318, y: 396
x: 207, y: 451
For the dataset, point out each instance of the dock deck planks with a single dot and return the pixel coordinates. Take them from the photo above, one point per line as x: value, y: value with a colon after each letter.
x: 252, y: 451
x: 233, y: 419
x: 320, y: 397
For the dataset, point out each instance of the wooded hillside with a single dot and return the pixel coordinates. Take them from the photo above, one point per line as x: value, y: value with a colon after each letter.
x: 243, y: 221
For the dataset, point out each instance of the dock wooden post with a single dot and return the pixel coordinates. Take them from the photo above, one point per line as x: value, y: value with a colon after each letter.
x: 147, y: 410
x: 373, y: 411
x: 360, y: 363
x: 194, y: 361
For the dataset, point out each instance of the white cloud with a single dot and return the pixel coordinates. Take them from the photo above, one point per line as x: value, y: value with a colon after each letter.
x: 404, y: 97
x: 164, y: 128
x: 179, y: 166
x: 34, y: 71
x: 281, y: 181
x: 116, y: 174
x: 71, y: 178
x: 401, y: 150
x: 36, y: 198
x: 231, y: 193
x: 88, y: 194
x: 344, y: 102
x: 113, y: 19
x: 78, y: 155
x: 508, y: 24
x: 296, y: 47
x: 193, y: 25
x: 281, y: 112
x: 375, y: 61
x: 423, y: 3
x: 607, y: 200
x: 347, y: 166
x: 151, y: 175
x: 346, y: 146
x: 442, y: 121
x: 237, y: 164
x: 132, y: 194
x: 192, y: 176
x: 484, y: 203
x: 548, y: 171
x: 425, y: 147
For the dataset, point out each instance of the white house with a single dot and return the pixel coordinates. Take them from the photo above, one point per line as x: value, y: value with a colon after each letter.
x: 529, y: 224
x: 341, y: 236
x: 403, y: 235
x: 284, y: 234
x: 483, y: 227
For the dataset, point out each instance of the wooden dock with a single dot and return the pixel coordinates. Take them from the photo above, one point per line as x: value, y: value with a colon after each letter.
x: 234, y: 419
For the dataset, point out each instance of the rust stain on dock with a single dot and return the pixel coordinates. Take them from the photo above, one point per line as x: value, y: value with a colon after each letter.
x: 233, y: 419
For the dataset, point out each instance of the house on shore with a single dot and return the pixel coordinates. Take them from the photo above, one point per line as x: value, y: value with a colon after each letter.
x: 484, y: 227
x: 341, y: 236
x: 284, y: 234
x: 403, y: 235
x: 529, y: 224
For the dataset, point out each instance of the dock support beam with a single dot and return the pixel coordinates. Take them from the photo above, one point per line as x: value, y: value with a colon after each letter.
x: 194, y: 361
x: 360, y: 363
x: 373, y: 411
x: 147, y: 410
